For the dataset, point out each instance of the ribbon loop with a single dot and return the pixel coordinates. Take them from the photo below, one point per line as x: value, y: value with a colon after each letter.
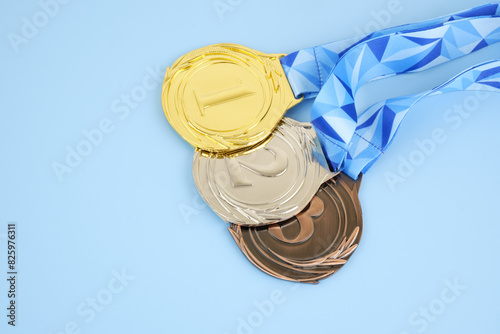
x: 334, y: 113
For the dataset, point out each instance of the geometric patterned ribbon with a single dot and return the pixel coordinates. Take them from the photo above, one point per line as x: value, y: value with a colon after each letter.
x: 334, y: 72
x: 307, y: 69
x: 334, y: 114
x: 378, y: 125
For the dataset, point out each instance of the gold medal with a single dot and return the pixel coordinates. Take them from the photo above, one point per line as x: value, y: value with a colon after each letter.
x: 226, y: 98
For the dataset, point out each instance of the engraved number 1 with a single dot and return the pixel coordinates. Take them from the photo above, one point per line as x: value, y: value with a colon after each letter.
x: 235, y: 92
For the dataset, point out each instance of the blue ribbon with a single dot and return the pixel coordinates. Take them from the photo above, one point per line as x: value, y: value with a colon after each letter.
x: 374, y: 133
x: 405, y: 49
x: 308, y: 69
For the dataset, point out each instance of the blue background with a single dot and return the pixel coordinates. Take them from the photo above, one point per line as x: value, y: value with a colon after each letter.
x: 131, y: 204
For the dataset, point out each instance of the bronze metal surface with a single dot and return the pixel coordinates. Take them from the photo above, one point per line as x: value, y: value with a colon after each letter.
x: 315, y: 243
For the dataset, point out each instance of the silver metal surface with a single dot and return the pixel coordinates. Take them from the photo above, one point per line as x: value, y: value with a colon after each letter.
x: 271, y: 184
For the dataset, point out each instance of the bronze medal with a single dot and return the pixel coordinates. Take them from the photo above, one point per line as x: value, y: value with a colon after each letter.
x: 313, y: 244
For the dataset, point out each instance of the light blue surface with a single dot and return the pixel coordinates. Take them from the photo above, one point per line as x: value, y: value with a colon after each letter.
x: 122, y: 207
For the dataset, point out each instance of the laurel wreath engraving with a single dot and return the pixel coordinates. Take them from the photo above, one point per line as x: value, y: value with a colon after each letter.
x: 346, y: 247
x: 337, y: 258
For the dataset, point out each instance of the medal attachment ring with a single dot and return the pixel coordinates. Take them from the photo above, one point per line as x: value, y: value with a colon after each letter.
x: 225, y: 97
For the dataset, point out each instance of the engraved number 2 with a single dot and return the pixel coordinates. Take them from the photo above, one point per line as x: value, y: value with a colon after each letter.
x: 277, y: 167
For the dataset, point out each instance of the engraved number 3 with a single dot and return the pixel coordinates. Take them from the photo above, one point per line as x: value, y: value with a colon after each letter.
x: 306, y: 223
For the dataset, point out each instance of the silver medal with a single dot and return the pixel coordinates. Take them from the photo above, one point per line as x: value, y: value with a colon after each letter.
x: 270, y: 184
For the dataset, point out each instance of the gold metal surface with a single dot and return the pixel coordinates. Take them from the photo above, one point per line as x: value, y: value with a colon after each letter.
x: 225, y: 98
